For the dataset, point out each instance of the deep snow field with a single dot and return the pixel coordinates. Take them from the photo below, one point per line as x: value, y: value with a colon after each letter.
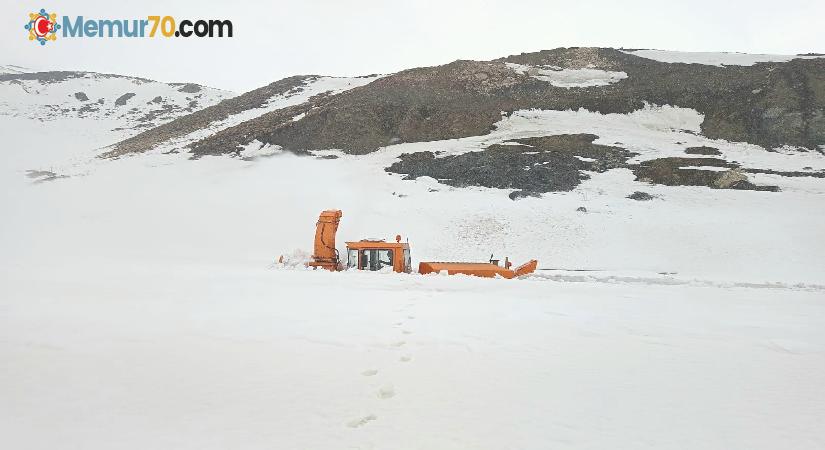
x: 140, y: 306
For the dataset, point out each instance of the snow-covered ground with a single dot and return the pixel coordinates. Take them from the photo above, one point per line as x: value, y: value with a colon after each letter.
x: 138, y: 308
x: 715, y: 58
x: 204, y: 355
x: 569, y: 78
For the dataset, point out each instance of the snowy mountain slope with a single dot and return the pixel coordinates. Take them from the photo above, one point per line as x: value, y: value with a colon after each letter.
x: 716, y: 58
x: 132, y: 103
x: 420, y: 107
x: 70, y: 116
x: 281, y: 94
x: 773, y: 104
x: 141, y: 287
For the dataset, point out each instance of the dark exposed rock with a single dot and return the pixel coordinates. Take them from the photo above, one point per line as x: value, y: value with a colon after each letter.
x: 124, y: 98
x: 88, y: 109
x: 681, y: 172
x: 581, y: 209
x: 703, y: 151
x: 560, y: 162
x: 190, y: 88
x: 672, y: 171
x: 537, y: 165
x: 640, y: 196
x: 81, y: 96
x: 515, y: 195
x: 149, y: 117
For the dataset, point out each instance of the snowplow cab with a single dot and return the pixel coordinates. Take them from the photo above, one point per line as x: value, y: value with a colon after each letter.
x: 374, y: 255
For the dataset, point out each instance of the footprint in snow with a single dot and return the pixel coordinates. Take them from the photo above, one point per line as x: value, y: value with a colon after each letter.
x: 386, y: 391
x: 398, y: 343
x: 360, y: 422
x: 405, y: 358
x: 406, y: 331
x: 369, y: 372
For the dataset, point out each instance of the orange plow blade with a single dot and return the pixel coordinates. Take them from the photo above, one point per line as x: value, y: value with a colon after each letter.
x: 486, y: 270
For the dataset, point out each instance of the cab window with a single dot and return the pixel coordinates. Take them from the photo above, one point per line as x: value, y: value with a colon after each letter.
x: 407, y: 261
x: 383, y: 259
x: 370, y: 259
x: 366, y: 260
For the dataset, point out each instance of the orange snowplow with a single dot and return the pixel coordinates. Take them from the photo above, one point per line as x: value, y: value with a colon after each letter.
x: 378, y: 254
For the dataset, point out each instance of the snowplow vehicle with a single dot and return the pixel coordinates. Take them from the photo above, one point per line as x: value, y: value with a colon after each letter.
x: 378, y: 254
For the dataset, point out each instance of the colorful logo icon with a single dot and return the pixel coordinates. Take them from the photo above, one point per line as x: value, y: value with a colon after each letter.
x: 42, y: 26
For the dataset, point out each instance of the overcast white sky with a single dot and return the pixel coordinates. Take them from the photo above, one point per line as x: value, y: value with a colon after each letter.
x: 274, y: 39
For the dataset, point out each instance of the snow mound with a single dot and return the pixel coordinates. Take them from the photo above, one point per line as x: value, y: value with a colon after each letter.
x: 257, y: 149
x: 298, y: 259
